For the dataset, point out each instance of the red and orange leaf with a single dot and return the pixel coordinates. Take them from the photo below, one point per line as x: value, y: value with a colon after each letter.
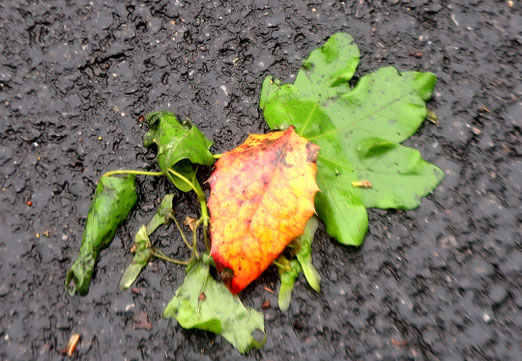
x: 262, y: 195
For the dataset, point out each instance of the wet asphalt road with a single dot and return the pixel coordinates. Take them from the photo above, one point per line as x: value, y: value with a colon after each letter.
x: 438, y: 283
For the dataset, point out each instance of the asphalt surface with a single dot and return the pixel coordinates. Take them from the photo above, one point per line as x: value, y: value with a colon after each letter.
x: 438, y: 283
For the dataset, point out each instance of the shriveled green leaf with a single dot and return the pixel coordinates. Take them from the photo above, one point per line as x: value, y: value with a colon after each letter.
x: 163, y: 215
x: 177, y: 142
x: 112, y: 202
x: 304, y: 254
x: 358, y: 130
x: 143, y: 246
x: 203, y: 303
x: 141, y: 257
x: 288, y: 271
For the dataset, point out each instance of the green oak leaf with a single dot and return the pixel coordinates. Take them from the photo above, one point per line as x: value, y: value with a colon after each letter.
x: 179, y: 145
x: 203, y: 303
x: 359, y: 130
x: 112, y: 202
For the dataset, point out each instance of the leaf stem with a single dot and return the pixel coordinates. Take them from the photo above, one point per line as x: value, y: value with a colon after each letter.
x: 182, y: 234
x: 202, y: 202
x: 195, y: 238
x: 164, y: 257
x: 184, y: 179
x: 205, y: 238
x: 280, y: 265
x: 205, y: 219
x: 170, y: 177
x: 131, y: 171
x: 217, y: 156
x: 196, y: 187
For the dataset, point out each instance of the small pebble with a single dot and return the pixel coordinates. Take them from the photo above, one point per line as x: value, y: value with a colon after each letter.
x: 486, y: 317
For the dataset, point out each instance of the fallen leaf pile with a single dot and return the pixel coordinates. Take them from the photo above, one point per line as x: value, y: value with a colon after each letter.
x: 335, y: 149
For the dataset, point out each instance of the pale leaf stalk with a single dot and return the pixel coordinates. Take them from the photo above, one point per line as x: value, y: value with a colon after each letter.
x: 131, y: 171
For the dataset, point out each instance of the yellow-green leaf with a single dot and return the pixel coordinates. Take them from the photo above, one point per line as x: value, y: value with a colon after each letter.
x: 203, y: 303
x: 359, y: 131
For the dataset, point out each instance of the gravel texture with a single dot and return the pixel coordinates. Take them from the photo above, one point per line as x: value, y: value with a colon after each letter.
x: 438, y: 283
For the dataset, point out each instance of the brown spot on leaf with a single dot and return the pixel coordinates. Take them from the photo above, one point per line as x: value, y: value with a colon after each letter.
x: 362, y: 184
x: 312, y: 151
